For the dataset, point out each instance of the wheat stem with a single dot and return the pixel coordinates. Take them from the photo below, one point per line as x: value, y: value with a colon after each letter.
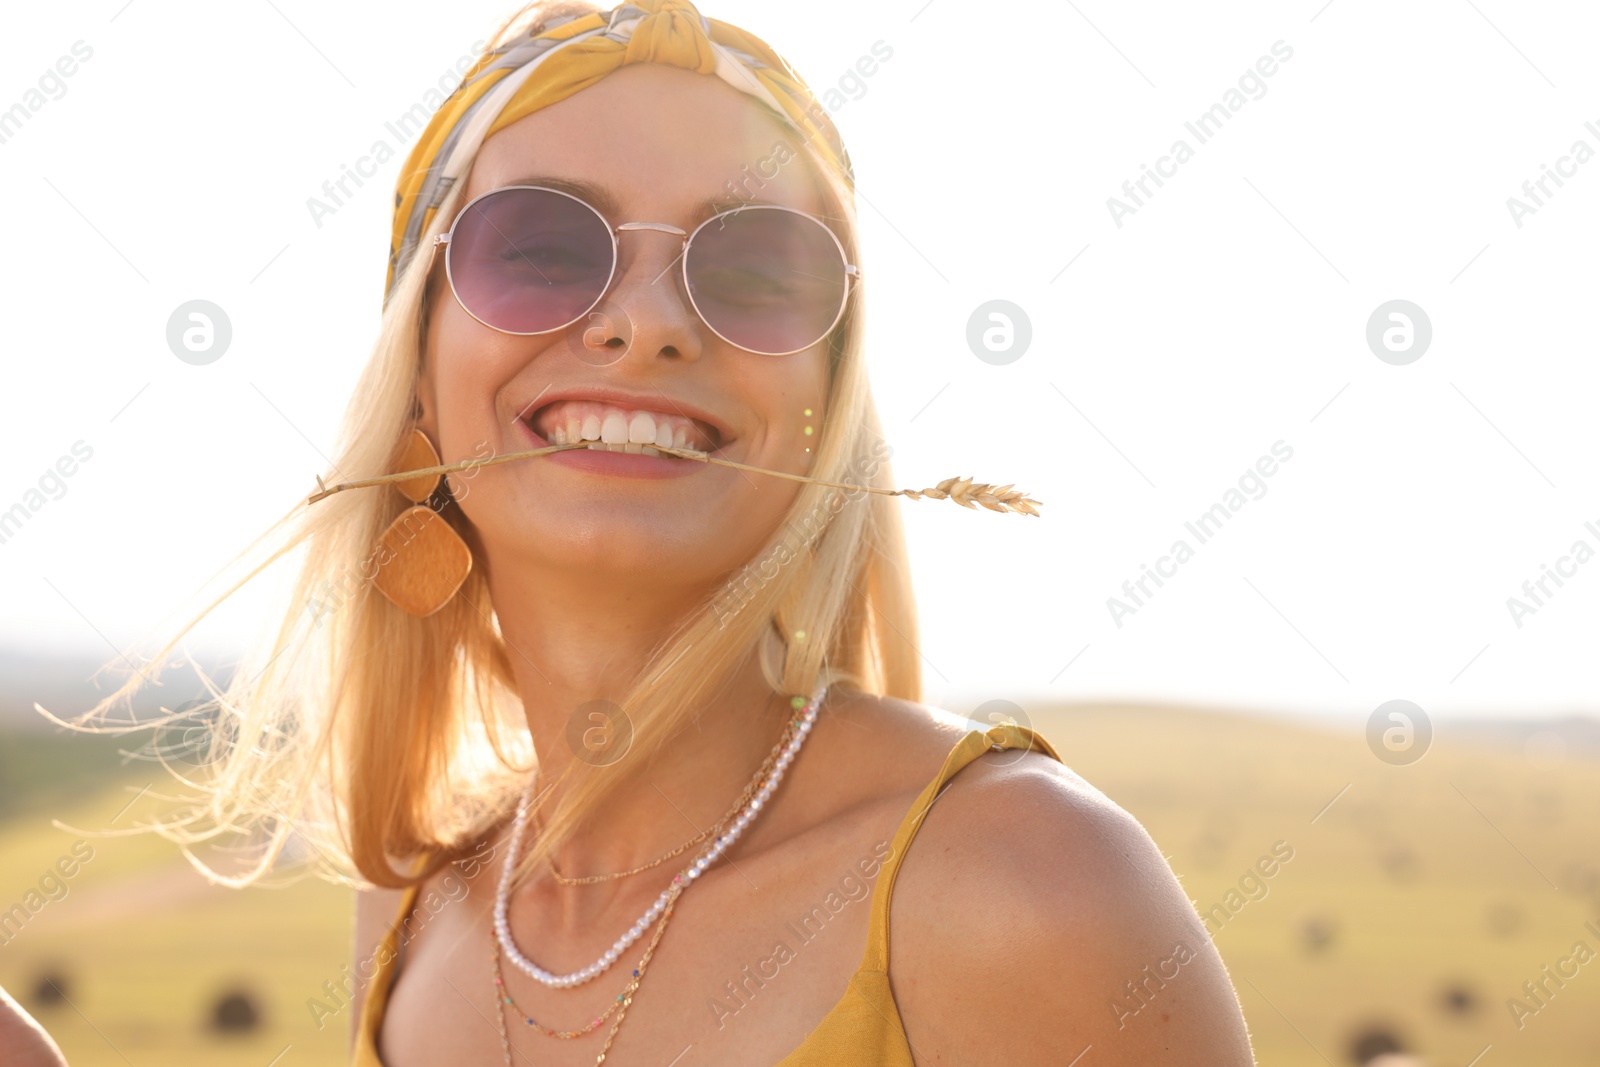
x: 962, y: 490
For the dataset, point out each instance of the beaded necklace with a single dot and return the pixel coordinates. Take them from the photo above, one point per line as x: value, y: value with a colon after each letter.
x: 785, y: 750
x: 769, y: 775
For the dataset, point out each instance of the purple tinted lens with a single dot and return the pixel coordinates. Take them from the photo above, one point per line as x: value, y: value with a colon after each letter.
x: 768, y: 279
x: 529, y: 260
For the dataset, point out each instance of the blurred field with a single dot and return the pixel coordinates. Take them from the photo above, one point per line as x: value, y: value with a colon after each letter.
x: 1414, y: 906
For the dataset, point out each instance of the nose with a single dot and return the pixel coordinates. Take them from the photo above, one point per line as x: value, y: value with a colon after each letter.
x: 648, y: 292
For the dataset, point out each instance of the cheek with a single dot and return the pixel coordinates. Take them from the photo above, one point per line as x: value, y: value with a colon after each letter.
x: 466, y: 365
x: 795, y: 403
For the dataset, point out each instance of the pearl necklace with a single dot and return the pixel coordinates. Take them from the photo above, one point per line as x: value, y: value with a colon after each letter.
x: 801, y: 726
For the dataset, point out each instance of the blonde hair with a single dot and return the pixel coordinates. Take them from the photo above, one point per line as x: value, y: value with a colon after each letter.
x: 376, y: 736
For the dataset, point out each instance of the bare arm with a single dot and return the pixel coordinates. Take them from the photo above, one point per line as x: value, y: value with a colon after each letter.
x: 23, y: 1042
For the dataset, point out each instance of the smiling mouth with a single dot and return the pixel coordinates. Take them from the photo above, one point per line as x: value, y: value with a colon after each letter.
x: 611, y: 428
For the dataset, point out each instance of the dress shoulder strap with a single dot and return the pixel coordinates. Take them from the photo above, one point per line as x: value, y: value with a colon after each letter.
x: 389, y: 956
x: 408, y: 901
x: 995, y: 739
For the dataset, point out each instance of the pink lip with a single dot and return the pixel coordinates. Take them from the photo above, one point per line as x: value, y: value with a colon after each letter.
x: 623, y: 464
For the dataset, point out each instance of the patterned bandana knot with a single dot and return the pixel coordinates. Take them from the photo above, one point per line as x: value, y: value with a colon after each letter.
x: 676, y: 34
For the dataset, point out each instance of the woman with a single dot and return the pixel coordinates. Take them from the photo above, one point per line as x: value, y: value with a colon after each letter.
x: 606, y: 692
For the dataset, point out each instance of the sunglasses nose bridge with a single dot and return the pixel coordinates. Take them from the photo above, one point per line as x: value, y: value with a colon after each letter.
x: 661, y: 227
x: 671, y: 267
x: 638, y: 284
x: 658, y: 227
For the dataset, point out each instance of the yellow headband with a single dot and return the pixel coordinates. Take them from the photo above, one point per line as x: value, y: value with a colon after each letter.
x: 534, y: 71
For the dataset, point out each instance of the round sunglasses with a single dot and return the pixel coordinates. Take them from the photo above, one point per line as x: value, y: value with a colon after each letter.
x: 527, y: 259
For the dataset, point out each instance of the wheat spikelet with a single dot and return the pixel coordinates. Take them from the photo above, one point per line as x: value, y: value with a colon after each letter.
x: 974, y: 495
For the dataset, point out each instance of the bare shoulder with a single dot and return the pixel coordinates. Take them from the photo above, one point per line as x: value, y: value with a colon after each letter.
x: 869, y: 725
x: 1033, y: 917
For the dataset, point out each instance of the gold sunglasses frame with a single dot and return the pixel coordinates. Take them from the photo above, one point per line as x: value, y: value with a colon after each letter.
x: 851, y: 271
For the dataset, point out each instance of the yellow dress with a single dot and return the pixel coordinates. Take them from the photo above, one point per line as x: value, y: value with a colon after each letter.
x: 863, y: 1029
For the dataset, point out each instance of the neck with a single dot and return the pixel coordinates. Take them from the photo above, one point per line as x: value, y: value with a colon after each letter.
x: 577, y: 639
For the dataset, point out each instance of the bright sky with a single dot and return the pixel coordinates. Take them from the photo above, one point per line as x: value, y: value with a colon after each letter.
x: 1218, y: 318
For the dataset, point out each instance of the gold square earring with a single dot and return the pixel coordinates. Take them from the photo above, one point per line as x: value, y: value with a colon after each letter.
x: 421, y: 560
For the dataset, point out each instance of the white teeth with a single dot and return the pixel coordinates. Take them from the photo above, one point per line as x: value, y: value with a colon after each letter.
x: 637, y: 431
x: 642, y: 428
